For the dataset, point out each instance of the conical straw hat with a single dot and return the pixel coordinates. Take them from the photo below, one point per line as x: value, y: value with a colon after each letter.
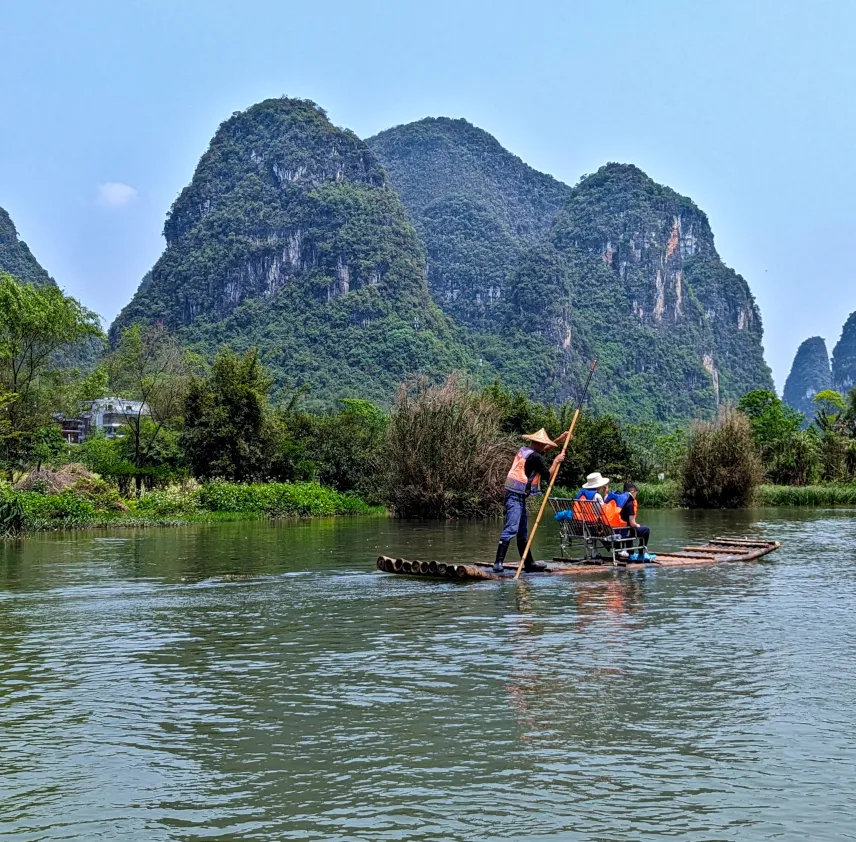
x: 541, y: 437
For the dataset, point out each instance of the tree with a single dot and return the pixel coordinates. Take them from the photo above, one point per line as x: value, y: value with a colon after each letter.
x: 345, y: 447
x: 598, y: 445
x: 771, y: 419
x: 788, y: 453
x: 36, y: 324
x: 149, y: 366
x: 830, y: 410
x: 228, y: 429
x: 832, y: 419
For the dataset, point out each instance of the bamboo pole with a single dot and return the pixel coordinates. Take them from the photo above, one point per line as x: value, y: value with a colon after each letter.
x: 554, y: 474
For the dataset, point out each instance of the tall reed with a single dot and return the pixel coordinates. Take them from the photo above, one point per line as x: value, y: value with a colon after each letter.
x: 806, y: 495
x: 445, y: 453
x: 721, y: 469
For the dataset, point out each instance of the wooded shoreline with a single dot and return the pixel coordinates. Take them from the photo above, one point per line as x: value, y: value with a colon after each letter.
x: 219, y: 502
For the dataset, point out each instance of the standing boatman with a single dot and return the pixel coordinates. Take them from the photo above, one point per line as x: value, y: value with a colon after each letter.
x: 524, y: 479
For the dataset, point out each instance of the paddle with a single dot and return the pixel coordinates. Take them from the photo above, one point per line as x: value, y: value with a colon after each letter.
x: 554, y: 474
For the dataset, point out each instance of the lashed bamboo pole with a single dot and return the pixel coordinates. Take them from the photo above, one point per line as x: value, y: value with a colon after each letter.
x: 554, y: 474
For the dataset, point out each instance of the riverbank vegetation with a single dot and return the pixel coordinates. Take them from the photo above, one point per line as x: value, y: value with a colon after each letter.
x: 197, y: 441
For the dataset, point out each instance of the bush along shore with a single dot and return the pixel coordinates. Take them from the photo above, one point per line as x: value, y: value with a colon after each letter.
x: 152, y: 433
x: 39, y: 510
x: 81, y: 508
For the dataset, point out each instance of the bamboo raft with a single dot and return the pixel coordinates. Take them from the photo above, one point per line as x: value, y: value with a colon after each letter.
x: 715, y: 551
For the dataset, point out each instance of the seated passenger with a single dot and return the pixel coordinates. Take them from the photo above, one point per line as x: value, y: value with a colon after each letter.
x: 621, y: 509
x: 594, y: 490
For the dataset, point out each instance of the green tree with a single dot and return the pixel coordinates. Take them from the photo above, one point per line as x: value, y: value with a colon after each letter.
x: 655, y: 450
x: 48, y: 446
x: 771, y: 419
x: 346, y: 447
x: 36, y: 324
x: 598, y: 445
x: 836, y: 440
x: 228, y: 429
x: 149, y: 366
x: 789, y: 454
x: 830, y: 409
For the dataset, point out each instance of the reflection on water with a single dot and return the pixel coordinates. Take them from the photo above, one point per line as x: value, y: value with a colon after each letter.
x: 261, y: 681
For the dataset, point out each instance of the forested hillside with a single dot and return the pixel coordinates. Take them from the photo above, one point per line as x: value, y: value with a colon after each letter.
x: 676, y: 330
x: 289, y: 237
x: 292, y: 236
x: 547, y: 277
x: 16, y: 257
x: 476, y: 206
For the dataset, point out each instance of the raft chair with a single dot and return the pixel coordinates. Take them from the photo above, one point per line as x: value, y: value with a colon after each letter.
x: 583, y: 522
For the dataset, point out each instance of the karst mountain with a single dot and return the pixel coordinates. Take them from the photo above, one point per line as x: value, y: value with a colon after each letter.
x: 290, y: 237
x: 430, y: 248
x: 810, y: 374
x: 812, y: 370
x: 15, y: 255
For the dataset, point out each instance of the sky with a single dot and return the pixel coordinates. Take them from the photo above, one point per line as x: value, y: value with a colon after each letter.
x: 746, y: 107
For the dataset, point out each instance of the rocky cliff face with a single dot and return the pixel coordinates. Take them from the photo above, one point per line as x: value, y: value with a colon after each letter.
x: 290, y: 237
x: 810, y: 374
x: 678, y: 331
x: 844, y: 357
x: 545, y: 276
x: 16, y: 257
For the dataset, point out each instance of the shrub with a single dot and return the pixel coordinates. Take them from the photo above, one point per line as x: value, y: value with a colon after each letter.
x: 795, y: 459
x: 11, y: 513
x: 57, y: 511
x: 167, y: 503
x: 445, y: 453
x: 721, y: 468
x: 275, y: 499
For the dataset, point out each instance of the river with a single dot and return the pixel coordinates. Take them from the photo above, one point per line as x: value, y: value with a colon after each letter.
x: 262, y: 681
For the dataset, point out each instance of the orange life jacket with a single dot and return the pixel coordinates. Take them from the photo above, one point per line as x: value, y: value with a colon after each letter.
x: 586, y: 513
x: 517, y: 480
x: 612, y: 507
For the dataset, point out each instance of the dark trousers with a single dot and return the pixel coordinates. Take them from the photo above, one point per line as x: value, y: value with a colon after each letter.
x: 643, y: 533
x: 516, y: 521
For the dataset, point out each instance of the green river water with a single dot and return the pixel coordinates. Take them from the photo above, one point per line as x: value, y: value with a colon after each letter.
x: 262, y: 681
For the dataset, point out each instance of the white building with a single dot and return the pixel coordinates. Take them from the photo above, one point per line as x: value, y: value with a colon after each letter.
x: 109, y: 415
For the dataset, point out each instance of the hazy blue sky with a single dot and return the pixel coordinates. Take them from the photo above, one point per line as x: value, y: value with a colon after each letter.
x: 747, y: 107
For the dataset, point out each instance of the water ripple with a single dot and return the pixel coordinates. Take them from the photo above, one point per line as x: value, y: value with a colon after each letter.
x: 260, y: 682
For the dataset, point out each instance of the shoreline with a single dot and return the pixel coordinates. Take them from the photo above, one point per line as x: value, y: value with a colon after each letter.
x: 227, y: 502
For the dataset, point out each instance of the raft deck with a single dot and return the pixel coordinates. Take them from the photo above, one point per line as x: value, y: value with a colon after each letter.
x: 715, y: 551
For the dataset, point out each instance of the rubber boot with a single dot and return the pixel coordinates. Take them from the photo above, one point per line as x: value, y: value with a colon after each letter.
x: 501, y: 550
x: 529, y: 565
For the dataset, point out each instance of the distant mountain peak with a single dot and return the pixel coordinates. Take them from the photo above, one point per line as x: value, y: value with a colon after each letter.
x: 289, y: 237
x: 844, y: 357
x: 16, y: 257
x: 810, y: 373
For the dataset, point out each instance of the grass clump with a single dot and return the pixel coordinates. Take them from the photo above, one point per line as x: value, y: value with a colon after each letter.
x: 721, y: 468
x: 278, y: 499
x: 659, y: 495
x: 806, y: 495
x: 446, y: 453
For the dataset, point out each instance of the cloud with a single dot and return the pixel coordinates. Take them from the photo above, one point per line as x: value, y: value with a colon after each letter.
x: 113, y: 194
